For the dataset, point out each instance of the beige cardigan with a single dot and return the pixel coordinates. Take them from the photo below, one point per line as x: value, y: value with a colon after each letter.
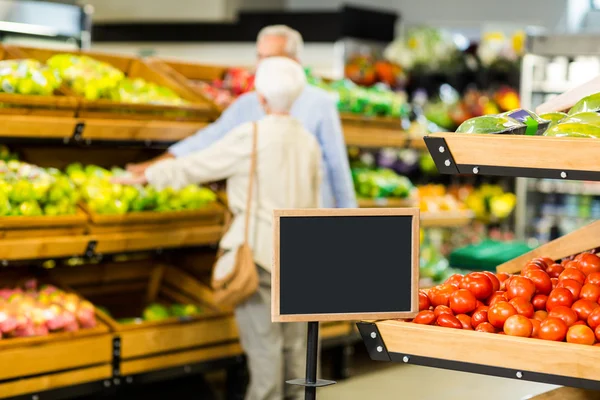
x: 288, y: 175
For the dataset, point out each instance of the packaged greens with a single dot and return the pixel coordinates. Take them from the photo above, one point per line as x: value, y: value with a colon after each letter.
x: 589, y: 103
x: 534, y: 124
x: 574, y: 129
x: 492, y: 124
x: 553, y: 117
x: 591, y: 118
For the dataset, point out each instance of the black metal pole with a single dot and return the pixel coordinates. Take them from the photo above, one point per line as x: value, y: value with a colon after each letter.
x: 310, y: 392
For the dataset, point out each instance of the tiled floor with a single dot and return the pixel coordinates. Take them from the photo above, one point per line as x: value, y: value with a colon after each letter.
x: 408, y: 382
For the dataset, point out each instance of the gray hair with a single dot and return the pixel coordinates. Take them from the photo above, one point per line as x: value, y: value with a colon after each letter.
x: 293, y: 43
x: 280, y: 80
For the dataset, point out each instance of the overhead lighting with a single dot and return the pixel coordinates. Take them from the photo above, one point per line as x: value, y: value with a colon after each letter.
x: 30, y: 29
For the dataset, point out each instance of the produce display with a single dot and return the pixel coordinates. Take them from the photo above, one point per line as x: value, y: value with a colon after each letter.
x: 104, y: 197
x: 28, y: 190
x: 234, y: 83
x: 160, y: 312
x: 376, y: 100
x: 95, y: 80
x: 367, y: 70
x: 28, y: 77
x: 381, y: 183
x: 491, y: 203
x: 435, y: 198
x: 548, y: 300
x: 30, y: 310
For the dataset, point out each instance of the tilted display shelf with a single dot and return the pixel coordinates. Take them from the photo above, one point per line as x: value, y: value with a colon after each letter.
x: 515, y: 155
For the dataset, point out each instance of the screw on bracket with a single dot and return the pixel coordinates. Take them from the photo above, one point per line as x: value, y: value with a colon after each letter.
x: 405, y: 359
x: 373, y: 335
x: 447, y: 163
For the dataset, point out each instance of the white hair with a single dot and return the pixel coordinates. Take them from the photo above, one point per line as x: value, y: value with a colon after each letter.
x: 293, y: 39
x: 280, y: 81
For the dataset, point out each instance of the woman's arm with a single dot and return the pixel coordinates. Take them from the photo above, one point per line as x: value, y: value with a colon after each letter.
x: 218, y: 161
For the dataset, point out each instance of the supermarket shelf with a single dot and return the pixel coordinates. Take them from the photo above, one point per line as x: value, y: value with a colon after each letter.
x: 373, y: 135
x: 386, y: 202
x: 121, y: 242
x: 515, y: 155
x: 565, y: 187
x: 564, y: 364
x: 446, y: 219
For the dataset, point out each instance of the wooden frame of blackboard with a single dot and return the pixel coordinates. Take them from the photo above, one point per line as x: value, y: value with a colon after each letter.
x: 343, y: 212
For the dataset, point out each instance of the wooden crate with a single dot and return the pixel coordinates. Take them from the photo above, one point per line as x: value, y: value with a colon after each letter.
x: 212, y: 214
x: 126, y: 288
x: 62, y: 104
x: 197, y: 109
x: 43, y: 226
x: 190, y: 74
x: 59, y: 359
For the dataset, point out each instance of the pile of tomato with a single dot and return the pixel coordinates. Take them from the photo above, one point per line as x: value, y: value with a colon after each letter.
x: 548, y: 300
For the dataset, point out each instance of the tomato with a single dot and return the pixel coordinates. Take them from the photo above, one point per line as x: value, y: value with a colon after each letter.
x: 589, y: 263
x: 584, y: 308
x: 540, y: 315
x: 449, y: 321
x: 568, y: 316
x: 597, y: 333
x: 485, y: 327
x: 539, y: 301
x: 494, y: 280
x: 531, y: 267
x: 554, y: 282
x: 555, y: 270
x: 594, y: 318
x: 462, y: 301
x: 478, y: 284
x: 440, y: 295
x: 523, y: 306
x: 479, y: 316
x: 593, y: 278
x: 572, y: 273
x: 465, y: 320
x: 539, y: 262
x: 518, y: 325
x: 425, y: 317
x: 496, y: 297
x: 480, y: 304
x: 559, y: 297
x: 573, y: 286
x: 541, y: 280
x: 535, y: 332
x: 439, y: 310
x: 572, y: 264
x: 553, y: 329
x: 499, y: 313
x: 424, y: 302
x: 502, y: 276
x: 520, y: 286
x: 548, y: 261
x: 590, y: 292
x: 581, y: 334
x: 580, y: 323
x: 455, y: 280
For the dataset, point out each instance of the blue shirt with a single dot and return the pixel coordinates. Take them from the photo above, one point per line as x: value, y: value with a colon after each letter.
x: 317, y: 112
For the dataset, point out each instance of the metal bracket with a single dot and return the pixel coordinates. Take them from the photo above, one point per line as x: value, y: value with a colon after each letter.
x: 373, y: 341
x: 78, y: 132
x: 91, y: 248
x: 116, y: 356
x: 440, y: 152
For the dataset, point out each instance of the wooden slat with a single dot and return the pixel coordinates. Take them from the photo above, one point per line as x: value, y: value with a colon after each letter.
x: 374, y: 136
x: 22, y: 222
x: 55, y: 356
x: 142, y: 130
x: 519, y: 151
x: 152, y: 340
x: 186, y: 283
x: 185, y: 357
x: 564, y: 359
x: 446, y: 219
x: 37, y: 127
x: 55, y: 381
x: 43, y: 247
x: 582, y: 239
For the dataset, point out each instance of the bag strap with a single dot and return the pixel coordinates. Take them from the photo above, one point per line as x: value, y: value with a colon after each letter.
x: 251, y: 180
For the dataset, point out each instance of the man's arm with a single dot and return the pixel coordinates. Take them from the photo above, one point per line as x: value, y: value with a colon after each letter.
x: 218, y: 161
x: 335, y: 154
x: 229, y: 119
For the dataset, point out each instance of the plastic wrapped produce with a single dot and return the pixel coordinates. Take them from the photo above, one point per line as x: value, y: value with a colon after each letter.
x: 589, y: 103
x: 574, y: 129
x: 553, y: 117
x: 534, y: 124
x: 492, y: 124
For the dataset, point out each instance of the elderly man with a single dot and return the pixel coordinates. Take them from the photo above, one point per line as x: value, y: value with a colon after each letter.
x: 314, y: 108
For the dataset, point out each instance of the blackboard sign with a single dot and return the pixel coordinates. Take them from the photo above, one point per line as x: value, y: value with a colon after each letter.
x: 345, y: 264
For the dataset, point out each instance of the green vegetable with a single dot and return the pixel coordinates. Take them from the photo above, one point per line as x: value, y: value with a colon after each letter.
x: 589, y: 103
x: 155, y: 312
x: 492, y: 124
x: 574, y: 130
x: 554, y: 117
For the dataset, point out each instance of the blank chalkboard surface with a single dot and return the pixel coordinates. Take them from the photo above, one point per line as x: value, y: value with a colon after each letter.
x: 345, y: 264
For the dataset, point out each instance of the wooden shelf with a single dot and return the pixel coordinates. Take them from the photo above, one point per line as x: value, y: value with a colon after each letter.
x: 515, y: 155
x: 446, y: 219
x: 121, y: 242
x: 36, y: 127
x: 139, y: 130
x: 371, y: 134
x: 498, y: 355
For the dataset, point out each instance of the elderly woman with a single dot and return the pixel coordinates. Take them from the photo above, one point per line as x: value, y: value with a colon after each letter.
x: 288, y: 175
